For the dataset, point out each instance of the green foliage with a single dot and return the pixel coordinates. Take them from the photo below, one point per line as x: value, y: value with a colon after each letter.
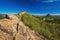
x: 53, y: 27
x: 1, y: 16
x: 29, y: 20
x: 48, y: 28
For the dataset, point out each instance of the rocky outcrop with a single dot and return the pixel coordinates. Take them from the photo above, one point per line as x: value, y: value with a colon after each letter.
x: 12, y: 17
x: 24, y: 33
x: 9, y: 25
x: 21, y: 13
x: 5, y: 36
x: 12, y: 28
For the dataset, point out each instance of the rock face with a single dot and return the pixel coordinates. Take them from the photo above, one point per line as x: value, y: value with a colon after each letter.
x: 9, y: 25
x: 13, y: 29
x: 24, y: 33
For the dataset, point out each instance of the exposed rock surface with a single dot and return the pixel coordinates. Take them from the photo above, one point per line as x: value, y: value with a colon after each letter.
x: 21, y: 13
x: 9, y: 25
x: 12, y: 17
x: 13, y: 29
x: 24, y: 33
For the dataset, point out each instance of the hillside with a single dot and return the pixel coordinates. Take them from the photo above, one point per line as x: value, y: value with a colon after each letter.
x: 24, y: 26
x: 48, y: 26
x: 12, y: 28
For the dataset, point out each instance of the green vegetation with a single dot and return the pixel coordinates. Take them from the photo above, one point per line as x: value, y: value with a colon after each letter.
x: 1, y: 16
x: 48, y: 26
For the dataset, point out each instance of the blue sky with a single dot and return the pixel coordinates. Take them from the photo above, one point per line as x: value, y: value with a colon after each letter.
x: 30, y: 6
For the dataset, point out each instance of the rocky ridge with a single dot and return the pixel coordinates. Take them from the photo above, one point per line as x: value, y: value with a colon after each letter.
x: 12, y: 28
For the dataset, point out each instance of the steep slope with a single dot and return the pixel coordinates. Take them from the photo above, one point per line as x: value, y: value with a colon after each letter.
x: 28, y: 27
x: 48, y: 30
x: 32, y: 22
x: 12, y: 28
x: 26, y: 31
x: 8, y: 27
x: 52, y: 24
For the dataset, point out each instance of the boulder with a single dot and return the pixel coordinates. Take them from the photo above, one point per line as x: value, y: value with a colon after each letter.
x: 12, y: 17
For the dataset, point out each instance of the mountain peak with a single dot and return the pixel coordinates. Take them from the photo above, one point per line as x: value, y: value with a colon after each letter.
x: 48, y: 14
x: 21, y: 13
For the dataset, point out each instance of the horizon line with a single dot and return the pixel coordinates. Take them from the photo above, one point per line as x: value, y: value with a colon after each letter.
x: 41, y: 14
